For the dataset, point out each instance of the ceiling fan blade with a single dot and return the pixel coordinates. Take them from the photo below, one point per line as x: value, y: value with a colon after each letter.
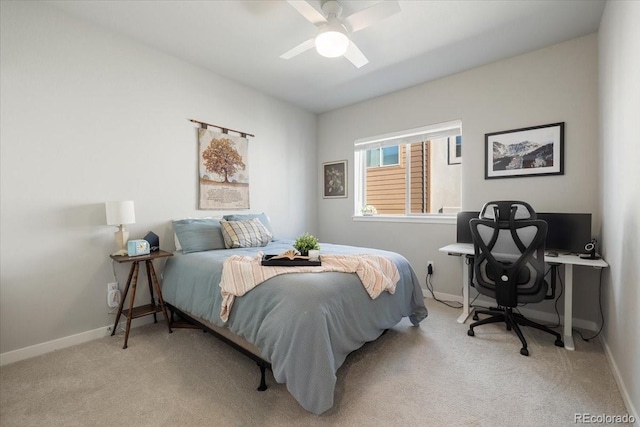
x: 308, y: 11
x: 302, y: 47
x: 355, y: 55
x: 371, y: 15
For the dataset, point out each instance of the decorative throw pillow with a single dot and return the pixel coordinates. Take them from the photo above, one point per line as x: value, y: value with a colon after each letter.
x: 263, y: 217
x: 198, y: 234
x: 245, y: 234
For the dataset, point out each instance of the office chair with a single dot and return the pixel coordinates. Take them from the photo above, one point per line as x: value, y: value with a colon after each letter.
x: 508, y: 265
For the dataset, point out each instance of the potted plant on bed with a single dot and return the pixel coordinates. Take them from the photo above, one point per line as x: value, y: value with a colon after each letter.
x: 305, y: 243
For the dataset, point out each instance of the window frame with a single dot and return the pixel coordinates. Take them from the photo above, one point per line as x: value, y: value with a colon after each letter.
x: 406, y: 137
x: 381, y: 157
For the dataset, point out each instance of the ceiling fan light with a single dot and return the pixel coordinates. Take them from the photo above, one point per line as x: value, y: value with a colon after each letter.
x: 332, y: 42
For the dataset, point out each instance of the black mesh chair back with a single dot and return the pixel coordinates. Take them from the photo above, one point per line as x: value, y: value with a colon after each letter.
x: 509, y: 253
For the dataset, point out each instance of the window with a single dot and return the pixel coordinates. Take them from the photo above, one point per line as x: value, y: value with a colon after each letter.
x: 383, y: 156
x: 409, y: 172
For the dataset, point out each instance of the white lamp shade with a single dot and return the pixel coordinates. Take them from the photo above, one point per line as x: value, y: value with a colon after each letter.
x: 332, y: 40
x: 120, y: 213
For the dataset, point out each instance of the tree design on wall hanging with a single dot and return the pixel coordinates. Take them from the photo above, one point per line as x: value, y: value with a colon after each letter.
x: 223, y: 170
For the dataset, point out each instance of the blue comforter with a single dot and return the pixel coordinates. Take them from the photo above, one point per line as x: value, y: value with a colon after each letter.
x: 304, y: 324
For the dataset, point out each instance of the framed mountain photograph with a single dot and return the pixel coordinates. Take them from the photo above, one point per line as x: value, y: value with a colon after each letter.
x: 532, y: 151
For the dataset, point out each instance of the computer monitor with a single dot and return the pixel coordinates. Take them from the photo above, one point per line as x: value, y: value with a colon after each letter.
x: 566, y: 232
x: 463, y: 231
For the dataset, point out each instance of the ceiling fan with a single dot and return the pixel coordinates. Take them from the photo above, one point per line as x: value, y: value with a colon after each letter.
x: 332, y: 39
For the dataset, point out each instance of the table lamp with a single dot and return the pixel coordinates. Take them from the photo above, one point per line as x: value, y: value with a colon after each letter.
x: 120, y: 213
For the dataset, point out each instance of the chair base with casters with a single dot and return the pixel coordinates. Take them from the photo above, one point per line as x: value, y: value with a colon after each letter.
x: 513, y: 321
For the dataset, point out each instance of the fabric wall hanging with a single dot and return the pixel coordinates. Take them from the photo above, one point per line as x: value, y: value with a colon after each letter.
x: 223, y: 170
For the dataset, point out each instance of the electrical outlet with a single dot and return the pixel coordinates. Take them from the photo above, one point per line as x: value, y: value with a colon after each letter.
x: 430, y: 267
x: 113, y: 295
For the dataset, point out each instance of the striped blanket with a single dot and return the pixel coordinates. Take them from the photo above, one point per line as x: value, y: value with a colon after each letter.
x: 240, y: 274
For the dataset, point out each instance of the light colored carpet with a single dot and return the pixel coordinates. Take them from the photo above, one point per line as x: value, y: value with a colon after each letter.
x: 434, y: 375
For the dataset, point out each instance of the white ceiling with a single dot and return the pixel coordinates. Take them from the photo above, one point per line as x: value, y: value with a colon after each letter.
x: 242, y: 40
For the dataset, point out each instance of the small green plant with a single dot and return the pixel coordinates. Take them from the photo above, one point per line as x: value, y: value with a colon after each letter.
x: 306, y: 242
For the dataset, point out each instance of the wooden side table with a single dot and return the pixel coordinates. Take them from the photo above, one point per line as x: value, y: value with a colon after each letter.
x: 132, y: 281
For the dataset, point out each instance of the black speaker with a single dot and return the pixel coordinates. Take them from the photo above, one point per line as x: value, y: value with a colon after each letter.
x: 590, y: 250
x: 154, y: 241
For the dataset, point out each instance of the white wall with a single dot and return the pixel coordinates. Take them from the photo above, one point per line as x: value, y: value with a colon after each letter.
x: 554, y: 84
x: 619, y: 38
x: 87, y: 117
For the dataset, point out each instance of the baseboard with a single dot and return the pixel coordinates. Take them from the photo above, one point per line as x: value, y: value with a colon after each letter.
x: 60, y: 343
x: 633, y: 411
x: 541, y: 316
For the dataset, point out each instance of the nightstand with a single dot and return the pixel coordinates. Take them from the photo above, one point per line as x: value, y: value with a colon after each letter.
x: 143, y: 310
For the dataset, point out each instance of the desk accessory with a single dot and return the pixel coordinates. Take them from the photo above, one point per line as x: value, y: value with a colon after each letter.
x: 590, y: 249
x: 138, y: 247
x: 154, y: 241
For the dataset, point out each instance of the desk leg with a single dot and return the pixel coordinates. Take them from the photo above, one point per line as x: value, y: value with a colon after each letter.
x: 568, y: 307
x: 465, y: 292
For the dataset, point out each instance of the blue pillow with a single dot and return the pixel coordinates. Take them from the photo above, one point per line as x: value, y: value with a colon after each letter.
x: 199, y: 234
x: 264, y: 219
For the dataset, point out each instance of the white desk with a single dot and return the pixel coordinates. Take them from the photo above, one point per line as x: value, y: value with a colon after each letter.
x: 568, y: 261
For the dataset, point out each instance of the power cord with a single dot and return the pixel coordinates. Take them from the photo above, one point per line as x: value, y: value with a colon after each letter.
x: 113, y: 267
x: 586, y: 339
x: 430, y: 288
x: 555, y: 303
x: 601, y: 313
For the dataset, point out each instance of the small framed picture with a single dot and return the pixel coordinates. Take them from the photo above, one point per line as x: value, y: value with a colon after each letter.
x: 454, y: 153
x: 334, y: 179
x: 533, y: 151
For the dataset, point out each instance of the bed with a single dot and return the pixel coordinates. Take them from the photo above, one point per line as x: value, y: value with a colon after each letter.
x: 302, y: 325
